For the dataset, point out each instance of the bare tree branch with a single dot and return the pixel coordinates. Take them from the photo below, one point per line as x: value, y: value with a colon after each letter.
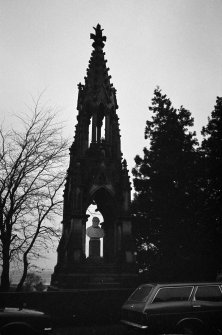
x: 32, y: 175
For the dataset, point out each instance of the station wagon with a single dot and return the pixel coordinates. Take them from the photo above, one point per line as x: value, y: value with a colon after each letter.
x: 184, y: 308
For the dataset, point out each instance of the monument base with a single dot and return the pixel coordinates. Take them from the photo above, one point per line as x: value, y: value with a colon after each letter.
x: 95, y: 276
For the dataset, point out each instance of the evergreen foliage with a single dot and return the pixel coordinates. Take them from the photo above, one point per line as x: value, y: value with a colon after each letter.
x: 212, y: 214
x: 168, y: 195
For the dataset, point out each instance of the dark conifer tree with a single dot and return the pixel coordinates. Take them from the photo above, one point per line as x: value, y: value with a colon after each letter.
x: 212, y: 213
x: 167, y: 193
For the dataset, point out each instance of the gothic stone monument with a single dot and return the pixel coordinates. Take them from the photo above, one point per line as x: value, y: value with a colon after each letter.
x: 98, y: 175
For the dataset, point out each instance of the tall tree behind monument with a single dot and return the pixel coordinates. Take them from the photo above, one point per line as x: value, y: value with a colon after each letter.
x: 212, y: 214
x: 167, y: 194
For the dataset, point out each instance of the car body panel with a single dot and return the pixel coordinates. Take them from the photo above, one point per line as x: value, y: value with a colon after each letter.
x: 159, y: 315
x: 37, y: 321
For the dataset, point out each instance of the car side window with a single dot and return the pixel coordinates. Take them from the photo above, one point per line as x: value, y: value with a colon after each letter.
x: 173, y: 294
x: 208, y: 293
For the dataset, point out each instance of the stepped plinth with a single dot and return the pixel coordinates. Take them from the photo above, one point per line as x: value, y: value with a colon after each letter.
x: 94, y: 275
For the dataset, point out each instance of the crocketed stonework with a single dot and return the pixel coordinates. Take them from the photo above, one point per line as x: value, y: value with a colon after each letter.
x: 98, y: 175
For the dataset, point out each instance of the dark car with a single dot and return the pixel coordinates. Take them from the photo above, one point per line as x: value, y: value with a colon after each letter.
x: 185, y: 308
x: 23, y: 321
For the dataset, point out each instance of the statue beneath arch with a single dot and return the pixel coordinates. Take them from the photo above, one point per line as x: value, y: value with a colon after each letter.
x: 95, y: 233
x: 97, y: 175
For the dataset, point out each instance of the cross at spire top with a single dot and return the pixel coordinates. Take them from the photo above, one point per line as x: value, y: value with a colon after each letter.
x: 98, y: 37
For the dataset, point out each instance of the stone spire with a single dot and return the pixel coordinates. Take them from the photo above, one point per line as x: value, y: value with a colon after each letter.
x: 97, y: 89
x: 97, y: 103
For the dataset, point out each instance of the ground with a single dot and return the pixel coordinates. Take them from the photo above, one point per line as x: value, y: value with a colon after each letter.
x: 116, y: 329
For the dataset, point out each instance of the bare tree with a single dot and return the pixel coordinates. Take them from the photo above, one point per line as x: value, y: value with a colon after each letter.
x: 32, y: 174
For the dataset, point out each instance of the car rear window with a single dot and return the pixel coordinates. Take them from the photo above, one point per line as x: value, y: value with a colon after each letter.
x: 173, y: 294
x: 208, y: 293
x: 141, y: 293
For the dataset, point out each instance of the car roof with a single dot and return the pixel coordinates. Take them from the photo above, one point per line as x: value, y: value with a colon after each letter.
x: 181, y: 284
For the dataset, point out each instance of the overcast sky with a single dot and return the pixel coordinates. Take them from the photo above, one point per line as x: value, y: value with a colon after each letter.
x: 176, y: 44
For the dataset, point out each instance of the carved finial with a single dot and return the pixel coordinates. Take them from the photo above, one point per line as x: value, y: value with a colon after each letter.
x: 124, y: 164
x: 98, y: 37
x: 80, y: 86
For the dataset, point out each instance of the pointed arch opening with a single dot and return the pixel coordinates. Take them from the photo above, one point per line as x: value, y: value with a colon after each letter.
x: 90, y: 132
x: 103, y: 130
x: 105, y: 205
x: 101, y: 120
